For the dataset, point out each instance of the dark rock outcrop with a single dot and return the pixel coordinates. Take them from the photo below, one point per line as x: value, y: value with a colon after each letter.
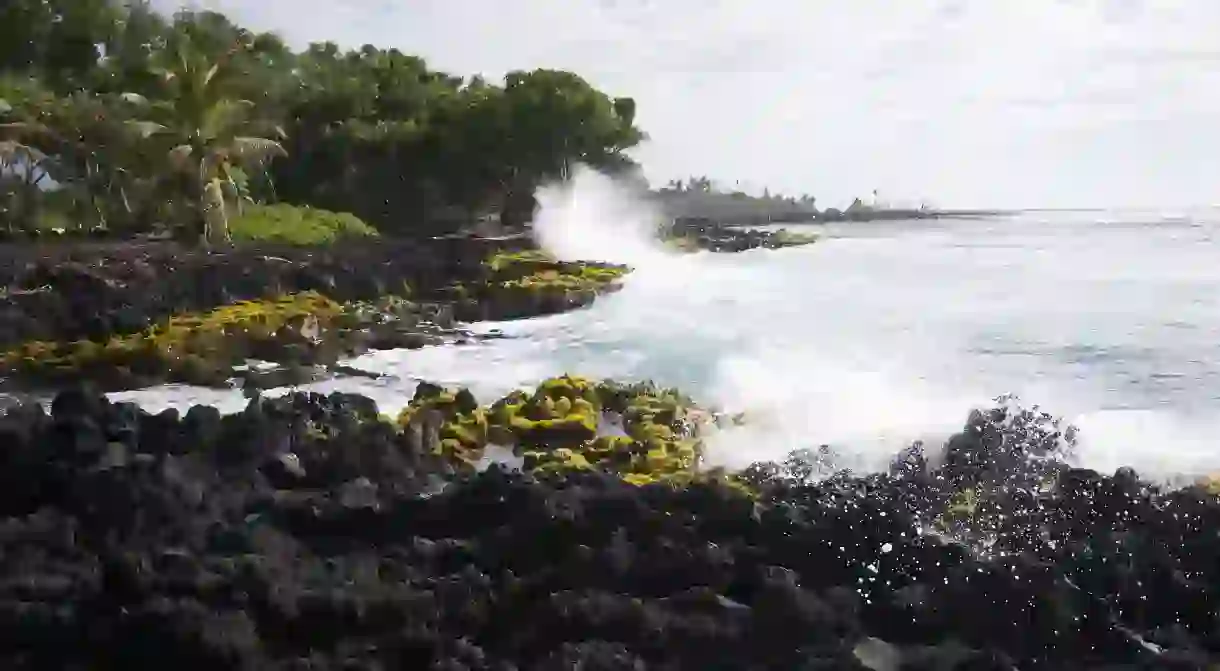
x: 90, y: 291
x: 305, y: 533
x: 708, y: 235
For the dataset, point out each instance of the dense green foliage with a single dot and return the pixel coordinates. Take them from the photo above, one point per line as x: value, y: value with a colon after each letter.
x: 115, y: 116
x: 289, y: 224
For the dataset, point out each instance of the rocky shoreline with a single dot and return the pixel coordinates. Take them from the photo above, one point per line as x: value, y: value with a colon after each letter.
x: 693, y: 233
x: 133, y: 314
x: 127, y: 316
x: 574, y: 525
x: 312, y: 532
x: 92, y: 291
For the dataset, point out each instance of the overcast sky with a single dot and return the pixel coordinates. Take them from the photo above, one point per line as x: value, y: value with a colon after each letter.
x: 962, y: 102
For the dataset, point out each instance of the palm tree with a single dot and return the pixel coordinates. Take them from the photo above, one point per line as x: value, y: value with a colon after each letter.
x: 22, y: 168
x: 82, y: 143
x: 211, y: 137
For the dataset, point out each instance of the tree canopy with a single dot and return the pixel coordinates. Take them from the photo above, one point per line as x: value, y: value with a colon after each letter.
x: 128, y: 119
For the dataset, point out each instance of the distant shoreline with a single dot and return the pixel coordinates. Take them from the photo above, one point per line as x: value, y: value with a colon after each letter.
x: 836, y: 216
x: 832, y: 216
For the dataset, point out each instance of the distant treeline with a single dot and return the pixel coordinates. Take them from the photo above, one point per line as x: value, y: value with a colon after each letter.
x: 702, y: 198
x: 115, y: 116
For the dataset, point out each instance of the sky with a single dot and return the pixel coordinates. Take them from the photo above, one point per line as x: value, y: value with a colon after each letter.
x: 986, y: 103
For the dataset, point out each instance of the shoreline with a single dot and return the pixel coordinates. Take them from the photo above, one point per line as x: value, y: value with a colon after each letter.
x: 139, y: 314
x: 833, y: 216
x: 579, y: 510
x: 270, y: 517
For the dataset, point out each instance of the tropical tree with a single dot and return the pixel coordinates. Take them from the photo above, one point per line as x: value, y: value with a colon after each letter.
x: 699, y: 184
x: 558, y: 119
x: 141, y: 118
x: 22, y: 169
x: 210, y: 139
x: 87, y: 145
x: 56, y: 40
x: 22, y: 166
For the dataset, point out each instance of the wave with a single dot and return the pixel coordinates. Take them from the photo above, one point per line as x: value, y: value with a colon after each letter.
x: 865, y: 347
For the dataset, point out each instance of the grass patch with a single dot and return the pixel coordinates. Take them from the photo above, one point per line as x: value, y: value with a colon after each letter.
x: 301, y: 226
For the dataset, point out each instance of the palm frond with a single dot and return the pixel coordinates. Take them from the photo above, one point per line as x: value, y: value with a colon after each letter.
x: 224, y: 117
x: 211, y: 74
x: 12, y: 151
x: 268, y: 129
x: 180, y: 157
x: 25, y: 129
x: 255, y: 149
x: 145, y: 129
x: 134, y: 99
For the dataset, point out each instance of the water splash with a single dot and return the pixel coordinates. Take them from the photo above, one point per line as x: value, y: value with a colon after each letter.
x: 798, y: 400
x: 1158, y: 444
x: 592, y: 217
x: 759, y: 361
x: 871, y: 339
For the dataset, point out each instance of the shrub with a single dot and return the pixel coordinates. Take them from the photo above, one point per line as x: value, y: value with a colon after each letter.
x: 288, y: 224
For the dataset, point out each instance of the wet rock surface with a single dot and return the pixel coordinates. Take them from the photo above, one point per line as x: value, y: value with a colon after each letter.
x: 310, y: 532
x: 97, y: 315
x: 708, y: 235
x: 64, y: 292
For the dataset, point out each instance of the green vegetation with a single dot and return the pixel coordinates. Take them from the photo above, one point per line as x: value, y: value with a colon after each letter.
x: 530, y: 283
x: 306, y: 328
x: 705, y: 185
x: 534, y: 270
x: 787, y: 238
x: 640, y: 432
x: 298, y: 331
x: 188, y: 117
x: 292, y: 225
x: 198, y: 349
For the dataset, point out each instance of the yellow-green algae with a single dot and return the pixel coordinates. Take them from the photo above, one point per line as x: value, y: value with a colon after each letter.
x: 295, y: 329
x: 1209, y: 484
x: 788, y: 238
x: 566, y: 424
x: 464, y: 427
x: 962, y: 508
x: 534, y: 274
x: 191, y: 348
x: 782, y: 238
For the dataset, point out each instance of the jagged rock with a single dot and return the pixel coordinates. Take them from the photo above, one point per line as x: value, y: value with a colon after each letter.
x: 308, y: 532
x: 68, y: 292
x: 285, y: 471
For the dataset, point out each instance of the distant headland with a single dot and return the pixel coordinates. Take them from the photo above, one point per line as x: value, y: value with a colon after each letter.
x: 700, y: 198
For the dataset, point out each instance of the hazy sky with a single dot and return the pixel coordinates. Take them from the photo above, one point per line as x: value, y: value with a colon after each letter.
x: 969, y: 103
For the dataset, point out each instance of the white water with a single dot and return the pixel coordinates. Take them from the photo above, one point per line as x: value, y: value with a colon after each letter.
x: 877, y: 335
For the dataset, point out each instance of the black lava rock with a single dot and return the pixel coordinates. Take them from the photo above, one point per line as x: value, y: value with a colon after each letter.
x: 306, y: 533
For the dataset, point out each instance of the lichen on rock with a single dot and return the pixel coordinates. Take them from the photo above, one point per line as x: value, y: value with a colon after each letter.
x: 639, y: 432
x: 532, y: 282
x: 299, y: 331
x: 199, y: 349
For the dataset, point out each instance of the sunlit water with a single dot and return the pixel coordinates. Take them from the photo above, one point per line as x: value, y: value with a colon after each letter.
x: 881, y: 333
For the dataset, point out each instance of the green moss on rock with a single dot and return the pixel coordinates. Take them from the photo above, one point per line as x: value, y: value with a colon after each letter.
x: 198, y: 349
x: 565, y: 423
x: 299, y: 331
x: 463, y: 433
x: 531, y: 282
